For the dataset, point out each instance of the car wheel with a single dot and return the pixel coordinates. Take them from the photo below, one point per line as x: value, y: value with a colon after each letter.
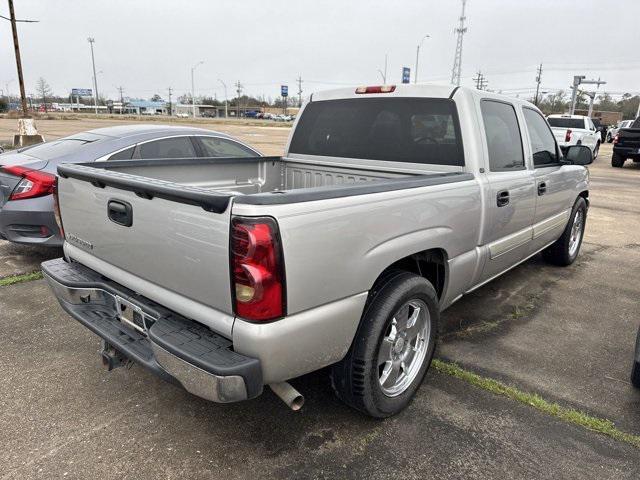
x: 609, y: 139
x: 565, y: 250
x: 617, y: 161
x: 596, y: 151
x: 392, y: 349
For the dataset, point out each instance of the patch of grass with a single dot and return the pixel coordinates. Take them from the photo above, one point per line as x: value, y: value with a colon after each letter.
x: 570, y: 415
x: 25, y: 277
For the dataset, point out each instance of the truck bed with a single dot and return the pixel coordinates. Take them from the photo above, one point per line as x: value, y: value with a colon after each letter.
x: 174, y: 248
x: 212, y: 182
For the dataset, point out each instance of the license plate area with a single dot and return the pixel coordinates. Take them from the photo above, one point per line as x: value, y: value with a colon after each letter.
x: 133, y: 316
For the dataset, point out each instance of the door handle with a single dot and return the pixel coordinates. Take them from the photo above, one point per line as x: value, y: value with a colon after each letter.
x: 120, y: 212
x: 542, y: 188
x: 502, y: 198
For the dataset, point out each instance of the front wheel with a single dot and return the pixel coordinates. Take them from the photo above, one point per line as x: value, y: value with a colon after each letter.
x: 392, y: 349
x: 564, y: 251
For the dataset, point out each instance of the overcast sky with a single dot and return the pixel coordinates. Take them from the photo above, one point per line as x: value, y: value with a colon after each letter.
x: 146, y: 46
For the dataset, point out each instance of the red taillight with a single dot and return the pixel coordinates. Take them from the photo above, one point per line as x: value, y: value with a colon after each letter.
x: 616, y: 139
x: 33, y: 183
x: 257, y: 269
x: 376, y: 89
x: 567, y: 136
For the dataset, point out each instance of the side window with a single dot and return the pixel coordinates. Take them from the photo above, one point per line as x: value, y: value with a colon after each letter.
x: 543, y: 144
x: 221, y: 147
x: 503, y: 136
x: 177, y: 147
x: 126, y: 154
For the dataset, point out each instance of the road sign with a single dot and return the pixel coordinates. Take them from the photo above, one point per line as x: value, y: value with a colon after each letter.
x: 406, y: 74
x: 82, y: 92
x: 284, y: 90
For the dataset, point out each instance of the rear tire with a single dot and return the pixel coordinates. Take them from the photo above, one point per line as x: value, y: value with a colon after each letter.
x: 635, y: 370
x: 617, y: 161
x: 386, y: 364
x: 635, y: 374
x: 564, y: 251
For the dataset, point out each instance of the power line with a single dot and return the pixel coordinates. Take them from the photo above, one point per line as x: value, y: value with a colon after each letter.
x: 20, y: 21
x: 456, y: 71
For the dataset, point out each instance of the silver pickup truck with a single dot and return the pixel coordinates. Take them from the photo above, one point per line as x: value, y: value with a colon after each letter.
x: 225, y: 275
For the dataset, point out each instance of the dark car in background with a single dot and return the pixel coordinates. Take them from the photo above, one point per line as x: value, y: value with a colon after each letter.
x: 27, y: 175
x: 626, y: 145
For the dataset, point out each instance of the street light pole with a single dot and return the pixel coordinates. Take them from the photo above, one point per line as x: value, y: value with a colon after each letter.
x: 226, y: 101
x: 415, y: 79
x: 193, y: 91
x: 91, y: 41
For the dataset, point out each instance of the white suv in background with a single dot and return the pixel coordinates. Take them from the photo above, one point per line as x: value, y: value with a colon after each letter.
x: 575, y: 130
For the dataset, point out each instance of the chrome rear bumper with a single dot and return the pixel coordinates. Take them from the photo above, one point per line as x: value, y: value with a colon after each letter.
x: 175, y: 348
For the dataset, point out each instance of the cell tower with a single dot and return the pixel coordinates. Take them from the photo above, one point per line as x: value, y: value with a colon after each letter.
x: 457, y: 59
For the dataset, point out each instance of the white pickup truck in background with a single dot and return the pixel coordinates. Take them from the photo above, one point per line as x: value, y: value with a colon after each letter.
x: 575, y: 130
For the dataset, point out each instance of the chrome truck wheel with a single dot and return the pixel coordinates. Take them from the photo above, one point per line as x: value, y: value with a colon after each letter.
x: 393, y: 346
x: 403, y: 347
x: 565, y: 250
x: 576, y: 233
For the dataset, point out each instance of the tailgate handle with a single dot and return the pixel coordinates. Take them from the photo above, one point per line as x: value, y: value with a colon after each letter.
x: 120, y: 212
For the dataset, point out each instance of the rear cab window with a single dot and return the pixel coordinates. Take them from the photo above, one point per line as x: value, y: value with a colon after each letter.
x: 566, y: 122
x: 409, y: 130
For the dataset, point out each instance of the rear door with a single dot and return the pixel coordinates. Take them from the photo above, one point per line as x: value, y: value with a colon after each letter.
x: 554, y: 182
x: 511, y: 199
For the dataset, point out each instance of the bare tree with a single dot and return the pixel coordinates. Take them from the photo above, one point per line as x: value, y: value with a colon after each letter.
x: 44, y: 91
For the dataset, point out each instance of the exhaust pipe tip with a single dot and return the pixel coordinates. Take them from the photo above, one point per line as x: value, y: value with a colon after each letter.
x: 289, y: 395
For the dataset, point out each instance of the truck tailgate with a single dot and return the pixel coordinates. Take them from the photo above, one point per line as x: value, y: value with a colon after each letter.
x: 177, y: 246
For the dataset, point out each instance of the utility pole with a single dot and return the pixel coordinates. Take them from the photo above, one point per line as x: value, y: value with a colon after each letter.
x: 169, y: 102
x: 193, y: 92
x: 239, y: 92
x: 120, y: 90
x: 299, y: 91
x: 481, y: 82
x: 538, y: 80
x: 415, y: 78
x: 91, y: 41
x: 226, y: 99
x: 456, y: 71
x: 16, y: 46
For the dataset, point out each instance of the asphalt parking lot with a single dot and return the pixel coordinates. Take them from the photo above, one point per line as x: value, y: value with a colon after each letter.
x: 564, y: 334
